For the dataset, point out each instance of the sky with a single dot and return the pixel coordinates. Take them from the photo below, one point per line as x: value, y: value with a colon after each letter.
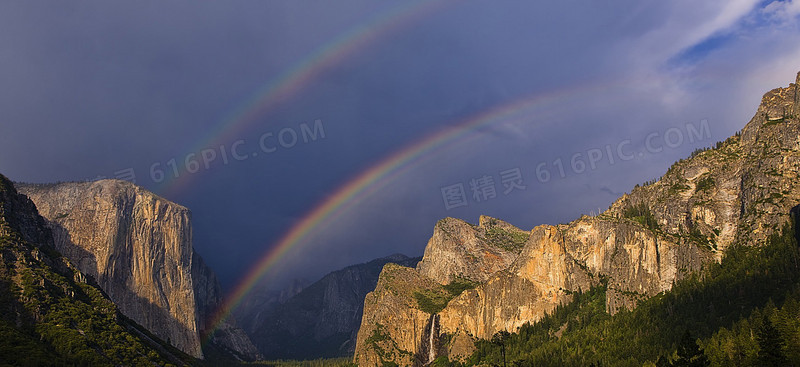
x: 256, y: 114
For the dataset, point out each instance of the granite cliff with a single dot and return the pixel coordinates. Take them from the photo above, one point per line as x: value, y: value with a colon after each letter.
x: 138, y: 248
x: 739, y: 191
x: 50, y: 312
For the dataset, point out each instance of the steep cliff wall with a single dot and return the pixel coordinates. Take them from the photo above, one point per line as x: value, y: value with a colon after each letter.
x: 138, y: 247
x: 739, y: 192
x: 50, y: 311
x: 634, y: 261
x: 393, y: 326
x: 560, y: 260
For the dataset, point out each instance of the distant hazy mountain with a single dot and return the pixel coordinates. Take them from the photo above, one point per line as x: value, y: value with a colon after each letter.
x: 322, y: 319
x: 262, y: 301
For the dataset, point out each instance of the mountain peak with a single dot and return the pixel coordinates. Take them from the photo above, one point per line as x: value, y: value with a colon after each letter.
x: 487, y: 222
x: 460, y: 250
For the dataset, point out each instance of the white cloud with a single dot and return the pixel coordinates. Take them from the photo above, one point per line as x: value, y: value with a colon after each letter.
x: 783, y: 10
x: 729, y: 15
x: 689, y: 24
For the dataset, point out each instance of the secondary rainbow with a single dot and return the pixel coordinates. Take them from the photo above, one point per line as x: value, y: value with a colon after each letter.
x: 302, y: 73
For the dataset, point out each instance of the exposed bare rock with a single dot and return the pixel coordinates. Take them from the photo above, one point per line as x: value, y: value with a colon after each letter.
x: 138, y: 247
x: 393, y: 326
x: 505, y: 302
x: 636, y: 262
x: 50, y: 311
x: 234, y: 341
x: 558, y: 261
x: 461, y: 346
x: 458, y: 249
x: 555, y: 261
x: 135, y: 244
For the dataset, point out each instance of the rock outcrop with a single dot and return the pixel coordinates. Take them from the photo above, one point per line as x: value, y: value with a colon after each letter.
x: 458, y: 249
x: 138, y: 248
x: 740, y: 191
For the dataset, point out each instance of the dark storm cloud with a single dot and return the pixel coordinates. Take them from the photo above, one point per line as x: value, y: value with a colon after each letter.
x: 91, y: 88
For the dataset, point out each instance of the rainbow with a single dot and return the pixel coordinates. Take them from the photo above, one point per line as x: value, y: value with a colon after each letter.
x: 301, y: 74
x: 378, y: 176
x: 369, y: 181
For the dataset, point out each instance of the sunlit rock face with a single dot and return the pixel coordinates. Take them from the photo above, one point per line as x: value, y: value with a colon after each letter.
x: 459, y: 249
x: 393, y: 327
x: 138, y: 247
x: 741, y: 191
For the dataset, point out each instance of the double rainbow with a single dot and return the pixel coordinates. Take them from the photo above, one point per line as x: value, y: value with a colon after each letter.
x: 376, y: 177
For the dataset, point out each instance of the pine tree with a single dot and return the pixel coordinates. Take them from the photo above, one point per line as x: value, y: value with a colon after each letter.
x: 770, y: 344
x: 500, y: 338
x: 689, y: 353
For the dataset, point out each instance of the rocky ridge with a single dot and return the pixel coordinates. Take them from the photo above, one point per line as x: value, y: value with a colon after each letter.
x: 738, y: 192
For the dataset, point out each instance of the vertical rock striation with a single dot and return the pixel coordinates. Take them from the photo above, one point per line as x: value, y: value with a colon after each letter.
x: 50, y: 311
x: 138, y: 247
